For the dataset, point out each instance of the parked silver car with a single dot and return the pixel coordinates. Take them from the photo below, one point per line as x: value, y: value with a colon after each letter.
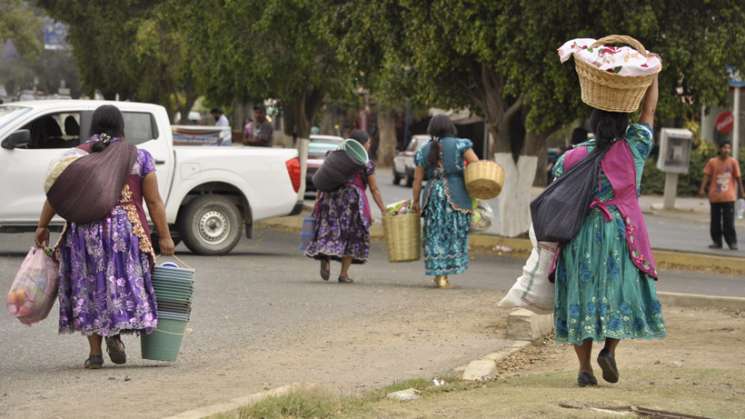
x: 403, y: 163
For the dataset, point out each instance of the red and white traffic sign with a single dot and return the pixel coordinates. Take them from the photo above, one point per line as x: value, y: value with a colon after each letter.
x: 725, y: 122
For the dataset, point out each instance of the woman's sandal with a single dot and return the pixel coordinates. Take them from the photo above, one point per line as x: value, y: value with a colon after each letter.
x: 94, y: 362
x: 586, y: 379
x: 345, y: 280
x: 608, y: 364
x: 325, y: 270
x: 441, y: 281
x: 116, y: 350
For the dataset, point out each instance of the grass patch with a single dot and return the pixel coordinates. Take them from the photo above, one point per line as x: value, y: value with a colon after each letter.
x: 298, y: 404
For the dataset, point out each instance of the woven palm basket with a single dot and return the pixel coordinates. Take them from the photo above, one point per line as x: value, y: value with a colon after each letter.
x: 484, y: 179
x: 403, y: 237
x: 609, y: 91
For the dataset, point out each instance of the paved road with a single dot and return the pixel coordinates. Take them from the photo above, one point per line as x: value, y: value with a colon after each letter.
x: 262, y: 319
x: 664, y: 232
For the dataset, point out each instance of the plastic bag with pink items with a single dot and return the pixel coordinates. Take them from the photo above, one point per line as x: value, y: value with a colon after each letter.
x: 35, y: 287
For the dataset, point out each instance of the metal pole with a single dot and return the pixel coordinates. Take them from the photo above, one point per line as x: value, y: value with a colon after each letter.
x: 736, y: 128
x: 671, y: 190
x: 302, y: 151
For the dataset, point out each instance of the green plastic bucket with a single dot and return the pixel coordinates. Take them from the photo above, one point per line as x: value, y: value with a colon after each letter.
x: 355, y: 151
x: 165, y: 341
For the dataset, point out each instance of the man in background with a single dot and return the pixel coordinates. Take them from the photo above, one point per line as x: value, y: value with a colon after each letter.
x: 262, y: 134
x: 220, y: 119
x: 722, y: 178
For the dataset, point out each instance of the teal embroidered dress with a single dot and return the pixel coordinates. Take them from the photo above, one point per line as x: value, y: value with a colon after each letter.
x: 600, y: 293
x: 446, y: 222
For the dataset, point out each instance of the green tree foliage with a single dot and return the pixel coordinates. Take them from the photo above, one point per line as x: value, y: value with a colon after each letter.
x: 498, y: 57
x: 133, y: 48
x: 266, y: 49
x: 19, y: 24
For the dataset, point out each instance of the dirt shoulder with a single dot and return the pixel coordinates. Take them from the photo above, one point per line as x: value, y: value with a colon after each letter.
x: 697, y: 370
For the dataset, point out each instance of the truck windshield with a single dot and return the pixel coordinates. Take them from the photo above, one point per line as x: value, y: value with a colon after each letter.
x: 9, y: 113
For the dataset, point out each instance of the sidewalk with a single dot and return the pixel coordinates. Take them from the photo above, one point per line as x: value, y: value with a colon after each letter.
x: 684, y: 229
x: 691, y: 372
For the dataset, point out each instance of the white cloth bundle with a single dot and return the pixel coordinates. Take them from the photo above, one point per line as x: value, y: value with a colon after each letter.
x: 624, y: 61
x: 532, y: 290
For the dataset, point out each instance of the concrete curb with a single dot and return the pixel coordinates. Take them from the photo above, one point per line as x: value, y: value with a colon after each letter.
x: 237, y: 403
x: 520, y: 248
x: 485, y: 368
x: 701, y: 301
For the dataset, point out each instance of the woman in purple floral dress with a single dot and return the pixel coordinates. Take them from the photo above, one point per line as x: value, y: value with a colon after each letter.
x: 343, y: 219
x: 105, y: 266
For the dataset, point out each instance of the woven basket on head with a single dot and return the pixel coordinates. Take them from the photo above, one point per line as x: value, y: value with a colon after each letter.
x: 609, y: 91
x: 403, y: 237
x: 484, y: 179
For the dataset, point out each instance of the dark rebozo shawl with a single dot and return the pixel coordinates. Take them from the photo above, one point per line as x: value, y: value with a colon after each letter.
x: 91, y: 186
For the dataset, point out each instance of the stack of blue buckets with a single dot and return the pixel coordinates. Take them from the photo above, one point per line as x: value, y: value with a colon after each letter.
x: 174, y: 288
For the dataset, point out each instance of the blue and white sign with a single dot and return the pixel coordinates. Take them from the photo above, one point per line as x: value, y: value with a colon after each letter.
x: 735, y: 80
x: 55, y: 35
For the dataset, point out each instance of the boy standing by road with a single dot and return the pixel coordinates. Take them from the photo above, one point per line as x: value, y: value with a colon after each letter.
x: 722, y: 177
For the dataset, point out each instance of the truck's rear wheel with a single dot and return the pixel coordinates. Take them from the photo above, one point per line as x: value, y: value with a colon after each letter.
x: 211, y: 225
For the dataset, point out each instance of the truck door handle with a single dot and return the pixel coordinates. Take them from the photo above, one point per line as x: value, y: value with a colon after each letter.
x: 160, y: 162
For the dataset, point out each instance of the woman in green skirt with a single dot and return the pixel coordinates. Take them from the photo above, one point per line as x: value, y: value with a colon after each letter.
x: 605, y: 277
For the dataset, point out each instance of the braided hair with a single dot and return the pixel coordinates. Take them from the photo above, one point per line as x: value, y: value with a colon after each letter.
x: 608, y: 127
x: 440, y: 126
x: 107, y: 123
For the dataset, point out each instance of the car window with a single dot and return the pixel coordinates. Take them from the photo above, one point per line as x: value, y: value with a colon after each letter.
x: 139, y: 127
x: 55, y: 130
x: 9, y: 113
x: 329, y: 141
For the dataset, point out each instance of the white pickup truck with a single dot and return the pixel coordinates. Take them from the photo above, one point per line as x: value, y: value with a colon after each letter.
x: 210, y: 193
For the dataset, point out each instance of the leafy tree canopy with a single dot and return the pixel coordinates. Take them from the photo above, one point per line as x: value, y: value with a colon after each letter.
x: 19, y: 24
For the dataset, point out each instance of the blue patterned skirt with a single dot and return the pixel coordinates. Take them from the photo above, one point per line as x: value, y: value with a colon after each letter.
x: 600, y: 293
x: 445, y: 234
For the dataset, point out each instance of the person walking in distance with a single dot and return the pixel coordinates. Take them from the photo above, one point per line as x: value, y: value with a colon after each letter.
x: 262, y: 132
x: 443, y: 202
x: 722, y: 178
x: 343, y: 219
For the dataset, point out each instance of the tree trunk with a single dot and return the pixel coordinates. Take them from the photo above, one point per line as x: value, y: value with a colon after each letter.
x: 535, y: 145
x: 387, y: 132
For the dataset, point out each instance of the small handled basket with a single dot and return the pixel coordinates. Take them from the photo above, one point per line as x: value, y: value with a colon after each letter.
x: 609, y: 91
x: 484, y: 179
x: 403, y: 237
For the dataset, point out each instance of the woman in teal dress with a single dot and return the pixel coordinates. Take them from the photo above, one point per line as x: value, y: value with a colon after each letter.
x: 444, y: 204
x: 602, y: 295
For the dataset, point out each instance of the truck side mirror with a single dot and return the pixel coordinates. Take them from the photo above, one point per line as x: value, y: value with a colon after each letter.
x: 20, y: 138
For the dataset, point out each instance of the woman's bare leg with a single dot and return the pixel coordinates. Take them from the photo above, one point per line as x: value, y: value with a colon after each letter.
x: 584, y: 353
x: 610, y: 346
x: 94, y: 341
x: 346, y: 262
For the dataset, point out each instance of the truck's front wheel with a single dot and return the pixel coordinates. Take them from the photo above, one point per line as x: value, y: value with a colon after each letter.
x: 211, y: 225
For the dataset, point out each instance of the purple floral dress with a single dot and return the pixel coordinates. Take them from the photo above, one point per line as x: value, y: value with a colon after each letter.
x: 105, y: 267
x: 342, y: 221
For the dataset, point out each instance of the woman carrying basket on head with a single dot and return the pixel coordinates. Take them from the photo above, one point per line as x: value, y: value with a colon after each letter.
x: 444, y: 204
x: 342, y: 220
x: 105, y: 284
x: 605, y: 277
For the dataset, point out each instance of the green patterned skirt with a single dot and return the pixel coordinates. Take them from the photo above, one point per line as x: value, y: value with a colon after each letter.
x: 599, y: 291
x: 445, y: 234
